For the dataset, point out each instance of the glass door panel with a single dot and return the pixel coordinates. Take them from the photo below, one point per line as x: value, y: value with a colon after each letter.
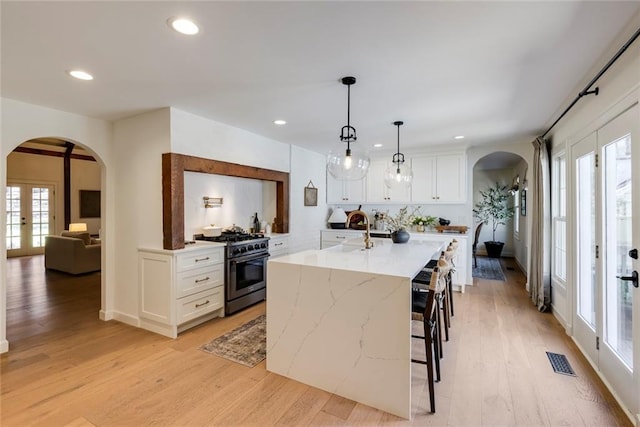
x: 617, y: 209
x: 30, y: 218
x: 40, y: 215
x: 618, y: 359
x: 586, y: 271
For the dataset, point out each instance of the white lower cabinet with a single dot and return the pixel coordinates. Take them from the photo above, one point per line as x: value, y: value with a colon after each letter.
x: 278, y: 245
x: 330, y: 238
x: 180, y: 289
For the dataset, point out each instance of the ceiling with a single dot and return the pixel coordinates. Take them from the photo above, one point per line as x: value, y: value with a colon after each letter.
x: 491, y: 71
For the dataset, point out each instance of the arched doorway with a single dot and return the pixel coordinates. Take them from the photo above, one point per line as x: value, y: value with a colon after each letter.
x: 511, y: 170
x: 46, y: 179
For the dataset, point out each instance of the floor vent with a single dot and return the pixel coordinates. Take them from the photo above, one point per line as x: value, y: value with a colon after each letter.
x: 560, y: 364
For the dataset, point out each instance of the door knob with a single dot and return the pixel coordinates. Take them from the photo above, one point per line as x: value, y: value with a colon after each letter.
x: 633, y: 253
x: 633, y: 278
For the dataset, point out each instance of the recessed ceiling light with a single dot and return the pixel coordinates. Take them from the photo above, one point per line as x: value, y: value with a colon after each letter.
x: 279, y: 122
x: 79, y: 74
x: 459, y: 137
x: 377, y: 145
x: 183, y: 26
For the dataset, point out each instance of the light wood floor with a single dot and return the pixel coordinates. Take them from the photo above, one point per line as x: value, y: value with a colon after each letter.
x: 66, y: 367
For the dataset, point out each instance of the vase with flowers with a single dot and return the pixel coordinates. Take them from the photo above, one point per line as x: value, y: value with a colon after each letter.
x: 398, y: 225
x: 423, y: 221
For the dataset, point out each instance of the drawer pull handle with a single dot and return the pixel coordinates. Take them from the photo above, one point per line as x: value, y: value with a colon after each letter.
x: 204, y: 303
x: 202, y: 259
x: 341, y: 237
x: 202, y: 280
x: 278, y: 244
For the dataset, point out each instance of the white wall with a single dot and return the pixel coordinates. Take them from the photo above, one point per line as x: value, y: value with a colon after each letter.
x: 521, y: 243
x: 242, y: 199
x: 305, y: 222
x: 618, y: 89
x: 200, y: 137
x: 22, y: 121
x: 139, y: 142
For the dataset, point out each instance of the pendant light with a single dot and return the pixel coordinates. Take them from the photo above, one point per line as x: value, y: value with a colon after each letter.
x: 351, y: 164
x: 398, y: 172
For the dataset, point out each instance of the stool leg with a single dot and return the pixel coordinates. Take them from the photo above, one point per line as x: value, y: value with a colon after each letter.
x: 451, y: 297
x: 445, y: 309
x: 428, y: 344
x: 436, y: 347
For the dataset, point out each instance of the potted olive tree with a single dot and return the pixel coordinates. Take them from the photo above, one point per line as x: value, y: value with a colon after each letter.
x: 494, y: 209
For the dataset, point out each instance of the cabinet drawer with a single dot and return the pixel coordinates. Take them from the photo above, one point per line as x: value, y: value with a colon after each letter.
x: 278, y: 247
x: 199, y: 259
x: 340, y: 236
x: 197, y: 280
x: 194, y: 306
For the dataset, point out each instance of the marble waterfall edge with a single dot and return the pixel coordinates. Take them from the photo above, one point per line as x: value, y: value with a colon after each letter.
x: 346, y: 332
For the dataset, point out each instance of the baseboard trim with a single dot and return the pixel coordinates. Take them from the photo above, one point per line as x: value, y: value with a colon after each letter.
x: 560, y: 318
x: 4, y: 346
x: 125, y: 318
x: 633, y: 419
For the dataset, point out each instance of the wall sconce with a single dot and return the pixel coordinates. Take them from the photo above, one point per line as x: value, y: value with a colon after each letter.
x: 515, y: 184
x: 78, y: 226
x: 212, y: 202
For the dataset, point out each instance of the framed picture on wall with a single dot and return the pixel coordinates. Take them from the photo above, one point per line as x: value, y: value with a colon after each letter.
x: 89, y: 203
x: 310, y: 195
x: 523, y: 202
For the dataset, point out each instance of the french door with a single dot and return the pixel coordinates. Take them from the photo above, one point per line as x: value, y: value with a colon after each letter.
x: 605, y: 170
x: 29, y: 217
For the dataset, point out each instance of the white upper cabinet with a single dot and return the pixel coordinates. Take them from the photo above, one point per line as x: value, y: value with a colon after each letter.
x: 378, y: 192
x: 339, y: 191
x: 439, y: 179
x: 436, y: 179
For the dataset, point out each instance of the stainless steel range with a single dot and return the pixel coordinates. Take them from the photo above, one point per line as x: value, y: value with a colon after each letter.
x: 246, y: 258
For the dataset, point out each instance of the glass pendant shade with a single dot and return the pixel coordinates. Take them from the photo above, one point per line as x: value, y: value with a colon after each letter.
x: 398, y: 172
x: 347, y: 161
x: 350, y: 167
x: 398, y: 175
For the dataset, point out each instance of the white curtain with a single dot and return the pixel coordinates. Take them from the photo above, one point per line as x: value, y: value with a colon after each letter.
x: 540, y: 203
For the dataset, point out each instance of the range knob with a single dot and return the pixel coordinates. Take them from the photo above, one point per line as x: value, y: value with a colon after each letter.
x: 243, y: 249
x: 263, y: 245
x: 236, y: 251
x: 256, y: 246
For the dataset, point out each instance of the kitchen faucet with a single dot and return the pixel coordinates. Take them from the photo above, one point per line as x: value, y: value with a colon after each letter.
x: 368, y: 243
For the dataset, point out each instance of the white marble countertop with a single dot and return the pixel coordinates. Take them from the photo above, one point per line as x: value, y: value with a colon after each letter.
x: 198, y: 245
x: 412, y: 232
x: 386, y: 257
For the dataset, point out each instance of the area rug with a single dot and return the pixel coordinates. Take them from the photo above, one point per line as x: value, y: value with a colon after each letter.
x: 247, y: 344
x: 488, y: 268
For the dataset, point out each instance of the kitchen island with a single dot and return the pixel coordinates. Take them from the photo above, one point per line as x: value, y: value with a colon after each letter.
x: 339, y: 319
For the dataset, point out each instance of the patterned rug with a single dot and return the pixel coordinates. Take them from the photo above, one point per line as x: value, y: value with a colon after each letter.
x: 488, y: 268
x: 245, y: 345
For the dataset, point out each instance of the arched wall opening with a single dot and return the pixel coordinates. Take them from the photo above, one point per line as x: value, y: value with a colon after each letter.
x: 67, y: 169
x: 22, y: 122
x: 503, y: 163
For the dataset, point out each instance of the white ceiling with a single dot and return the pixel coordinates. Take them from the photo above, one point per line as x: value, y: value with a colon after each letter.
x: 492, y: 71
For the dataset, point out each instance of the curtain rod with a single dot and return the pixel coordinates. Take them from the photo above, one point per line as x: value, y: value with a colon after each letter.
x: 604, y: 69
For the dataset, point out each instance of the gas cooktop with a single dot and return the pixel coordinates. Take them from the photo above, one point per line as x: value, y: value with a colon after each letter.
x: 230, y: 237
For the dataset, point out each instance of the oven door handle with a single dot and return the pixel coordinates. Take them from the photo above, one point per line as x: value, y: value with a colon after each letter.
x: 247, y: 258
